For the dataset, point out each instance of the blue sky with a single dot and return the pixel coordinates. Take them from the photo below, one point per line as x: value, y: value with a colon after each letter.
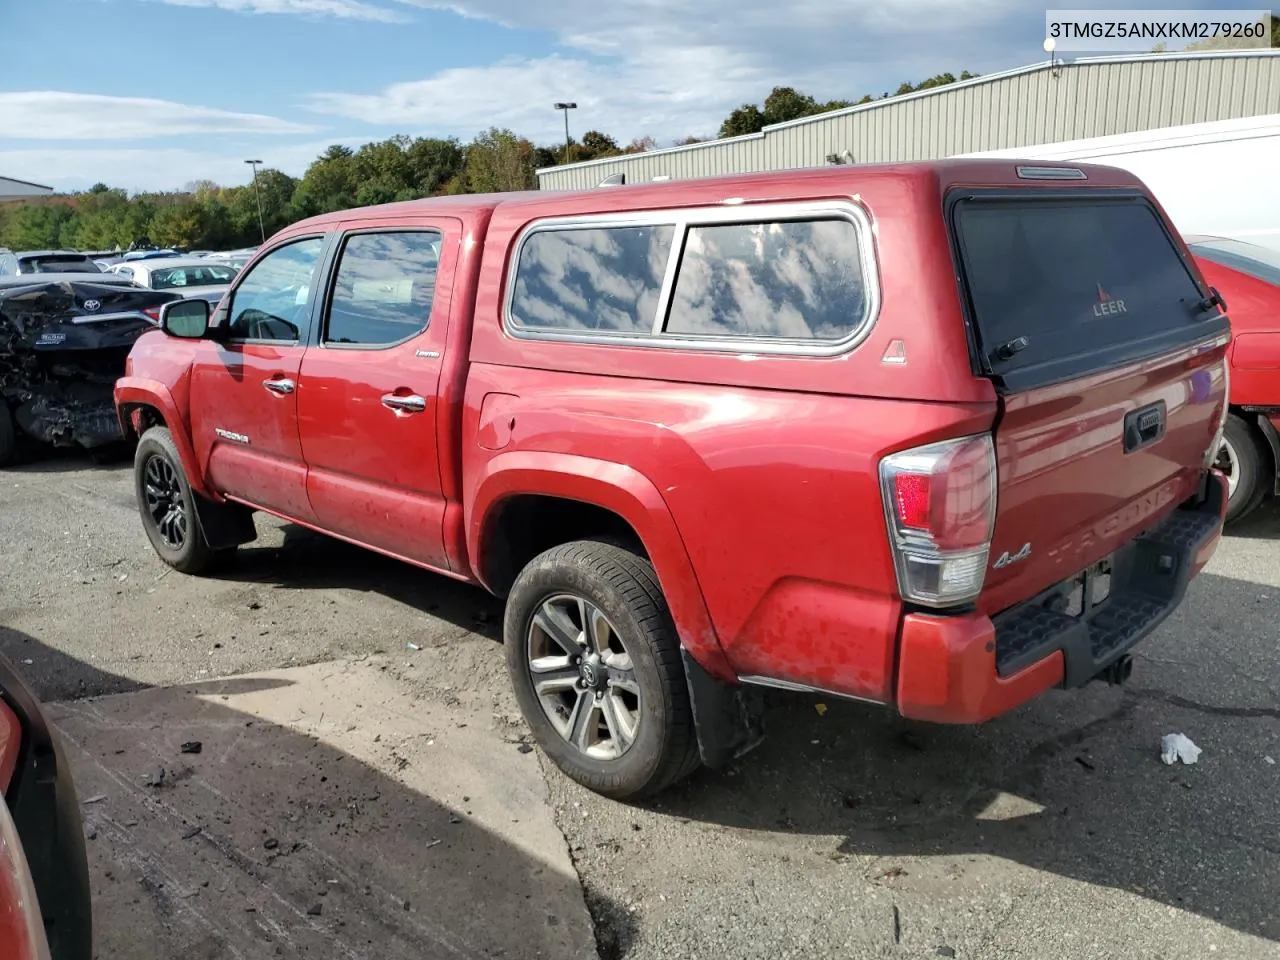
x: 154, y: 94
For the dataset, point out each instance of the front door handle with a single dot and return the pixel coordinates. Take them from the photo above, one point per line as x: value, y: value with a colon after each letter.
x: 408, y: 404
x: 280, y: 386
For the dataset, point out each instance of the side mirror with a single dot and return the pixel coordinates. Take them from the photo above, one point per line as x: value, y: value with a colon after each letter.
x: 187, y: 319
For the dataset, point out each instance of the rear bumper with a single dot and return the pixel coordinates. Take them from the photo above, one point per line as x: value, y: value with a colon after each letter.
x: 970, y: 668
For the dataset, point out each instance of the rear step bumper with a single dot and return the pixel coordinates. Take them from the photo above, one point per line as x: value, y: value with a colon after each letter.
x: 970, y: 668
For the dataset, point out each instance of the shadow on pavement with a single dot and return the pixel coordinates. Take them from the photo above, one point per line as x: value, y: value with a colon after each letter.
x: 325, y: 814
x: 1071, y: 785
x: 1262, y: 524
x: 312, y: 561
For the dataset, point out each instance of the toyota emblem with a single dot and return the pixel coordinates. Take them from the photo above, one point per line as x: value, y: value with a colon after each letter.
x: 92, y: 306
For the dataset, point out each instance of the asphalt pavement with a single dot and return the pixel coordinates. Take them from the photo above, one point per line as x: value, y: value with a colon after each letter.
x: 1055, y: 831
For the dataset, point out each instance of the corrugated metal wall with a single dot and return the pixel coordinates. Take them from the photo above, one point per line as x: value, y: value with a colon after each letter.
x: 1022, y: 108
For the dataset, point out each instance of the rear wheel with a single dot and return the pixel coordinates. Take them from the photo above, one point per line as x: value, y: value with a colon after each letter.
x: 595, y: 663
x: 1244, y: 460
x: 8, y: 437
x: 167, y: 505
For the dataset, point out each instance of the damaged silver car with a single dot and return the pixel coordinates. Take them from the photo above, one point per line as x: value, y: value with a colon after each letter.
x: 63, y: 343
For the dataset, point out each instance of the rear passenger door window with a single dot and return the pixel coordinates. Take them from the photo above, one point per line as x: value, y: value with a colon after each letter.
x: 383, y: 289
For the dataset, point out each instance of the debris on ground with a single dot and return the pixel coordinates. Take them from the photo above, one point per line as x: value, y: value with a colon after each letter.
x: 945, y: 951
x: 315, y: 910
x: 1270, y: 760
x: 271, y: 843
x: 897, y: 925
x: 1176, y: 746
x: 192, y: 746
x: 821, y: 708
x: 190, y: 832
x: 96, y: 799
x: 412, y: 646
x: 156, y: 777
x: 525, y: 748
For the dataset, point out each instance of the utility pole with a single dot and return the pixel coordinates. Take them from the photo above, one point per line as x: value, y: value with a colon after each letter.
x: 258, y: 193
x: 566, y: 107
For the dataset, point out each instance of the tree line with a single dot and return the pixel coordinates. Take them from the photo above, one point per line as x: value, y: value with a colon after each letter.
x: 208, y: 216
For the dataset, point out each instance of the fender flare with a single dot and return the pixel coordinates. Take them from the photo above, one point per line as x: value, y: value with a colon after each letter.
x: 625, y: 491
x: 136, y: 391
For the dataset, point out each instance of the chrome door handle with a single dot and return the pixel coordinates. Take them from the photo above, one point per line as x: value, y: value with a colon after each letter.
x: 410, y: 404
x: 281, y: 387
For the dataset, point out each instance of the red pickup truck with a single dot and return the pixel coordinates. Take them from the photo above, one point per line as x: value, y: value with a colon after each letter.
x: 1248, y: 277
x: 936, y: 436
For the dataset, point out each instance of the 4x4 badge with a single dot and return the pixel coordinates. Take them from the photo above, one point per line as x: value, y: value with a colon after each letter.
x: 1006, y: 559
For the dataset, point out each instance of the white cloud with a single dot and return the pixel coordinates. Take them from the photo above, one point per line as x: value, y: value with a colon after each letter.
x: 343, y: 9
x: 56, y: 115
x: 671, y: 68
x: 155, y: 169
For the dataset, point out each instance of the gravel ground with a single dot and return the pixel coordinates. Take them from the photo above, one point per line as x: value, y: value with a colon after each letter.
x: 1052, y: 832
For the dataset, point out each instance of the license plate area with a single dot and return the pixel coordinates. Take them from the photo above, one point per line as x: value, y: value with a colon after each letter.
x: 1085, y: 593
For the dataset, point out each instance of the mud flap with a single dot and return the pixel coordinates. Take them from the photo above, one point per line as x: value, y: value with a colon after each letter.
x: 728, y: 718
x: 225, y: 525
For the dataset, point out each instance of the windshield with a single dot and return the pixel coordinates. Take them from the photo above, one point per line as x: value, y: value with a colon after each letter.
x: 1260, y: 262
x: 57, y: 264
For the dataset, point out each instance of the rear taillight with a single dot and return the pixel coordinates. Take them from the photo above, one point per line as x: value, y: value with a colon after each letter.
x: 153, y: 313
x: 940, y: 502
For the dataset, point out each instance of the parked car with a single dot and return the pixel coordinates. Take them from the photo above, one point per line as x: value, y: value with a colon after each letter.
x: 190, y: 276
x: 44, y: 261
x: 1248, y: 277
x: 135, y: 255
x: 712, y: 435
x: 45, y: 908
x: 63, y: 343
x: 235, y: 258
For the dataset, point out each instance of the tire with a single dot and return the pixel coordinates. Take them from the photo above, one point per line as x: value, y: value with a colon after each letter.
x: 175, y: 533
x: 639, y: 672
x: 8, y: 437
x: 1247, y: 464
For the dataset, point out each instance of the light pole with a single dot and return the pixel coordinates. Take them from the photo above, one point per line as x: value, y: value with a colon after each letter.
x: 566, y: 107
x: 258, y: 194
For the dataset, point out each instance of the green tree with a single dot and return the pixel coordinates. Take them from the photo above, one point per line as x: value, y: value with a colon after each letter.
x: 40, y: 226
x: 498, y: 160
x: 434, y: 162
x: 748, y: 118
x: 330, y: 183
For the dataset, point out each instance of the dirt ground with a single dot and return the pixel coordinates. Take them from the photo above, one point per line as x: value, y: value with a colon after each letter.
x: 367, y: 710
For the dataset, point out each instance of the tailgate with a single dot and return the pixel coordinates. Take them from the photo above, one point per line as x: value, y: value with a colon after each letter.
x: 1110, y: 367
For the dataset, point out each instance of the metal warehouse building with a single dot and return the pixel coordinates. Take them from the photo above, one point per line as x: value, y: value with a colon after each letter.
x: 1037, y: 104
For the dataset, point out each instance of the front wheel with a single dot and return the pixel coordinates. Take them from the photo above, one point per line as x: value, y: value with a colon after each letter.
x: 1243, y: 459
x: 595, y: 663
x: 168, y: 506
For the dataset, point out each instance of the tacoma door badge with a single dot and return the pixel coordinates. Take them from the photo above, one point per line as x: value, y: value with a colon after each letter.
x: 228, y: 435
x: 1007, y: 559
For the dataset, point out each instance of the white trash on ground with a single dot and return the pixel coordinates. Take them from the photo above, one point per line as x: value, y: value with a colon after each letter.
x: 1176, y: 747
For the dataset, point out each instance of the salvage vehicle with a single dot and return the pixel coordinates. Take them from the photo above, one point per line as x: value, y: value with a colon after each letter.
x: 45, y: 907
x: 63, y: 343
x: 937, y: 436
x: 1248, y: 277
